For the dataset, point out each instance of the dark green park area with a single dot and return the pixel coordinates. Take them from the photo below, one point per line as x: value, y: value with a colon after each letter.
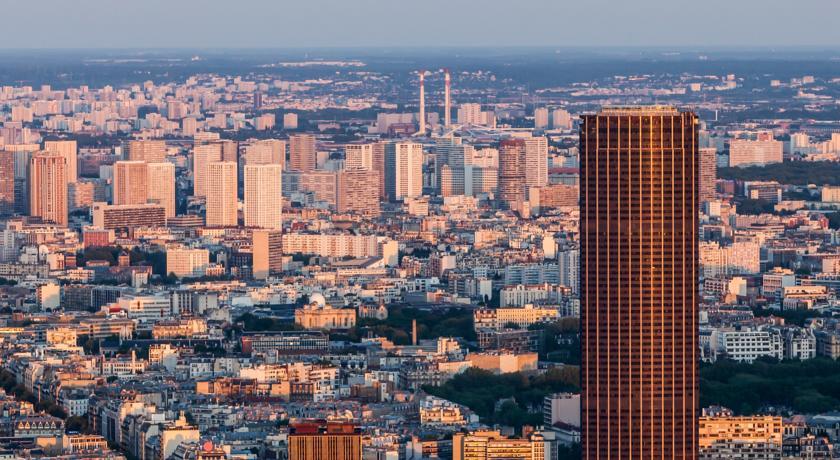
x: 802, y: 387
x: 513, y: 399
x: 789, y: 172
x: 805, y: 387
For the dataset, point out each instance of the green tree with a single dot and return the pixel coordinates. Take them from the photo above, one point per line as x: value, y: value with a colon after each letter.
x: 754, y: 207
x: 789, y: 172
x: 834, y: 220
x: 77, y: 424
x: 481, y: 390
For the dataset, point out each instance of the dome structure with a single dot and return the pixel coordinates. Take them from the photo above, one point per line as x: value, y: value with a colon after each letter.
x: 317, y: 299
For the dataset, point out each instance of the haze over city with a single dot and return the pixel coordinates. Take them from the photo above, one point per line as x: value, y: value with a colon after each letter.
x: 427, y: 24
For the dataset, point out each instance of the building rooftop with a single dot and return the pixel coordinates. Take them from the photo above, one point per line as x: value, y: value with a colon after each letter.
x: 639, y: 110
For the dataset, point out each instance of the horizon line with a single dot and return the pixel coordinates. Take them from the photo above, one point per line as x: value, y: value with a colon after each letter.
x: 681, y: 47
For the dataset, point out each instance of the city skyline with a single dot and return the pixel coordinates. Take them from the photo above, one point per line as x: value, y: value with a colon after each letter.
x: 419, y: 253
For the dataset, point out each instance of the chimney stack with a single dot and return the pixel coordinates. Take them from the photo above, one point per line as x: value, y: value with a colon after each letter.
x: 422, y: 103
x: 447, y: 115
x: 414, y: 332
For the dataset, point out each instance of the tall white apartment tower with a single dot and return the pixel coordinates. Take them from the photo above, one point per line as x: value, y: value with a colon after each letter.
x: 536, y: 161
x: 358, y: 156
x: 203, y: 155
x: 267, y: 151
x: 69, y: 150
x: 48, y: 187
x: 131, y: 183
x: 161, y: 186
x: 403, y: 170
x: 150, y: 151
x: 221, y: 194
x: 540, y: 118
x: 264, y: 196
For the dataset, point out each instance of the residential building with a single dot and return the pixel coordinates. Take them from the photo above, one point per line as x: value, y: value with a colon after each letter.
x: 222, y: 202
x: 403, y: 170
x: 48, y: 187
x: 264, y: 196
x: 302, y: 152
x: 187, y: 262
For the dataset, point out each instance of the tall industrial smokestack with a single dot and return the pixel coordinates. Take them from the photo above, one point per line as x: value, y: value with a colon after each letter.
x: 447, y: 102
x: 422, y: 103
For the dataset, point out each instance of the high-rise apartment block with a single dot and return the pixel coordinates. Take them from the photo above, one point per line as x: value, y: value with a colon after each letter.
x: 7, y: 182
x: 319, y: 185
x: 450, y: 156
x: 512, y: 173
x: 708, y: 175
x: 378, y: 161
x: 358, y: 156
x: 148, y: 151
x: 203, y: 155
x: 540, y: 118
x: 536, y: 161
x: 403, y: 170
x: 358, y: 191
x: 268, y: 151
x: 471, y: 114
x: 161, y: 186
x: 302, y: 152
x: 290, y: 121
x: 267, y: 253
x: 263, y: 196
x: 48, y: 187
x: 561, y: 119
x: 130, y: 182
x: 230, y: 150
x: 69, y: 150
x: 222, y: 203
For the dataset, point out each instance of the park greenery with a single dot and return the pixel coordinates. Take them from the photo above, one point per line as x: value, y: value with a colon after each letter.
x: 559, y: 340
x: 807, y: 387
x: 431, y: 324
x: 754, y: 207
x: 21, y: 393
x: 789, y: 172
x: 109, y: 254
x: 792, y: 317
x: 513, y: 399
x: 834, y: 220
x: 253, y: 323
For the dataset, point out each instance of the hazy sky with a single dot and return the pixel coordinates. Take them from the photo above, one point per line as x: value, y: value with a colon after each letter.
x: 318, y: 23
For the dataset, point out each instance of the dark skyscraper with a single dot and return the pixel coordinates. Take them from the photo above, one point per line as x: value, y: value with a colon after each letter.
x: 707, y: 165
x: 639, y: 178
x: 7, y: 182
x: 512, y: 173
